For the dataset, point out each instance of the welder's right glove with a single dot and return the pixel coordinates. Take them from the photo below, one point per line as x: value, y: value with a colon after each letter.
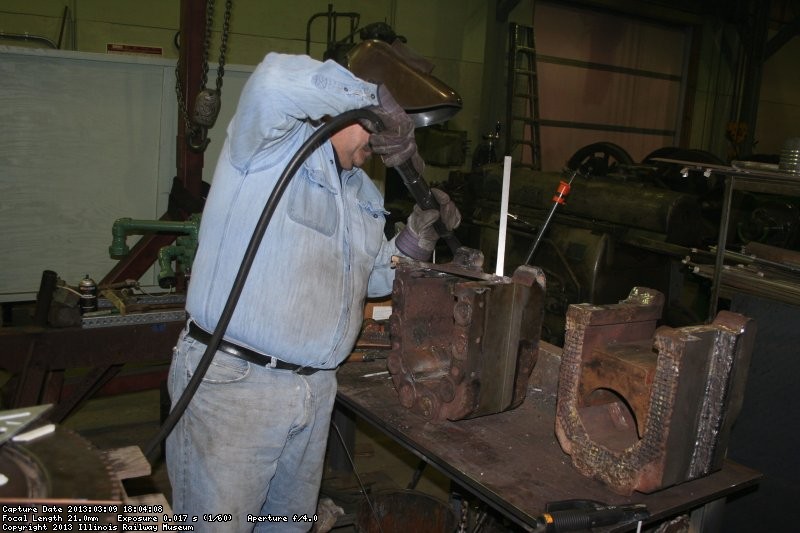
x: 418, y: 239
x: 395, y: 143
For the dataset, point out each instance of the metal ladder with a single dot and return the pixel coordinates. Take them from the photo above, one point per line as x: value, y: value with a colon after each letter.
x: 522, y: 102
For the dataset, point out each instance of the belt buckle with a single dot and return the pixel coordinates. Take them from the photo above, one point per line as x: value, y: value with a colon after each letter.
x: 273, y: 362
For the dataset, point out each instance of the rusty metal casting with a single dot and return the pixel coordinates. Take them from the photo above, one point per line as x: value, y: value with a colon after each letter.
x: 641, y: 408
x: 463, y: 343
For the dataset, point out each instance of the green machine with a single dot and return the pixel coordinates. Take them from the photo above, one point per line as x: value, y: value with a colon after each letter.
x: 182, y: 252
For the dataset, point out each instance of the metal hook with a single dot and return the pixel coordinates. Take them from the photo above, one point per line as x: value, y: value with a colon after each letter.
x: 198, y: 144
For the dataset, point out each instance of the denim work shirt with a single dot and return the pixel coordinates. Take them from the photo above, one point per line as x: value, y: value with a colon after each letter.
x: 324, y: 249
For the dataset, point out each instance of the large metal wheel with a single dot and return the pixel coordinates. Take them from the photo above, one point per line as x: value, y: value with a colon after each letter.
x: 599, y: 159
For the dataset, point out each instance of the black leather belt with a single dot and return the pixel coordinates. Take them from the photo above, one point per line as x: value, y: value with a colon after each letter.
x: 199, y: 334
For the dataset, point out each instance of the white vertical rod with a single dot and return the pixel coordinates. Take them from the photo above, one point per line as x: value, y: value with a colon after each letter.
x: 501, y: 237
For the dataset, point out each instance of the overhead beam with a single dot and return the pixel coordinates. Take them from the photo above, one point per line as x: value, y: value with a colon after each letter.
x: 784, y: 35
x: 504, y: 9
x: 193, y: 32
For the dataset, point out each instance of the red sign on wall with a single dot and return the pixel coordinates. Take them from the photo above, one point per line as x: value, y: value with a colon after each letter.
x: 112, y: 48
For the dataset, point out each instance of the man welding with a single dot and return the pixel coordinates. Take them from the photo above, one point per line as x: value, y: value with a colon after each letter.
x: 248, y: 452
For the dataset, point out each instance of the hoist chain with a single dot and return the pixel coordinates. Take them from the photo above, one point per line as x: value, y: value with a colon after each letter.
x: 223, y: 46
x: 464, y: 518
x: 207, y: 104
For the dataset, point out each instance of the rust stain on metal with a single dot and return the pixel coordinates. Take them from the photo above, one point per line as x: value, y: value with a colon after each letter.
x: 643, y: 409
x: 463, y: 343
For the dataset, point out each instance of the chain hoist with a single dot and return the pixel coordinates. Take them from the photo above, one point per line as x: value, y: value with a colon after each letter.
x: 208, y: 101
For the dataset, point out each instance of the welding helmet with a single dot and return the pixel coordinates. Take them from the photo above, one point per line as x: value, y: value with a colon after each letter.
x: 424, y: 97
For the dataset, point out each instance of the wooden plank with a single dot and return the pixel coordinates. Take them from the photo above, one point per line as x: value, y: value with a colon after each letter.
x: 128, y: 462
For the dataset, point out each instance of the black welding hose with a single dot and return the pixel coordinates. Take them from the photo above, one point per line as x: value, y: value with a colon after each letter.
x: 305, y: 150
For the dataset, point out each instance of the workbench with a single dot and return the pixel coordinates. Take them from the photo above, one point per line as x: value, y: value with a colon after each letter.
x: 512, y: 460
x: 38, y: 357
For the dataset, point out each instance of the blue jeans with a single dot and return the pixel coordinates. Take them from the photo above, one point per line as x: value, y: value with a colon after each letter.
x: 251, y: 442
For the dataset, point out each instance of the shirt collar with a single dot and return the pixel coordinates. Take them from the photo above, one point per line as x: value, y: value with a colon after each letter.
x: 339, y: 167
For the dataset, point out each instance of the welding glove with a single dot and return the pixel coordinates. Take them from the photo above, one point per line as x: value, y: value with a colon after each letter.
x: 395, y: 143
x: 418, y: 239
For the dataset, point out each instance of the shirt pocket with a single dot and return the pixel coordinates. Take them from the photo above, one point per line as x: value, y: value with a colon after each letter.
x: 373, y: 217
x: 312, y: 203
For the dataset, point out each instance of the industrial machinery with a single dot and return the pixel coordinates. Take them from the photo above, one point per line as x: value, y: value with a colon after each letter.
x: 182, y: 252
x: 601, y: 241
x: 624, y: 224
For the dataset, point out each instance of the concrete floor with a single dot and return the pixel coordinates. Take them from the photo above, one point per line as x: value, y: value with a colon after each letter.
x: 133, y: 419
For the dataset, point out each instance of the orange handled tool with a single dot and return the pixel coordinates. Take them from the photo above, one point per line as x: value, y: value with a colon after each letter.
x: 558, y: 199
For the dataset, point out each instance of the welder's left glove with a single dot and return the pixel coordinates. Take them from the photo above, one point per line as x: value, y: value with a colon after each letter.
x: 418, y: 239
x: 395, y: 143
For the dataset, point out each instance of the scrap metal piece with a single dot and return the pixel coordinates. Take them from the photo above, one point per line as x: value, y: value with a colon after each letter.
x: 14, y: 421
x: 463, y: 347
x: 642, y: 409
